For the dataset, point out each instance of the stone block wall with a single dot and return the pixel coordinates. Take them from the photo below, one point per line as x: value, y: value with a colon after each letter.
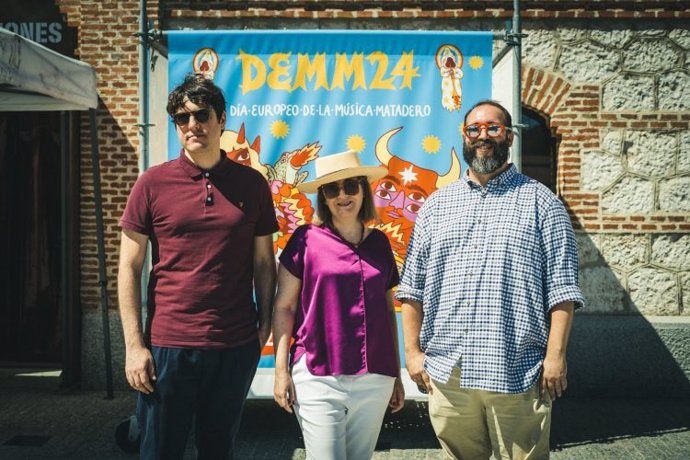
x: 623, y: 125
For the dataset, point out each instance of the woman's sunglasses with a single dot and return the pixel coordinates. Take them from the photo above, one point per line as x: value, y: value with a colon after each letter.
x: 349, y: 186
x: 201, y: 116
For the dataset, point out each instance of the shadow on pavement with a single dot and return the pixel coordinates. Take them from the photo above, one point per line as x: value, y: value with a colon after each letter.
x: 591, y: 421
x: 409, y: 428
x: 81, y: 424
x: 269, y: 432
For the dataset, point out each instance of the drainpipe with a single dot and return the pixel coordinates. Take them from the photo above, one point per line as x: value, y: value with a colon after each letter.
x: 67, y: 376
x: 100, y: 239
x: 517, y: 86
x: 143, y: 87
x: 144, y: 47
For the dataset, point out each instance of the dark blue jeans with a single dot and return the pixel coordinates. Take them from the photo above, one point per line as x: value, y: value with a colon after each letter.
x: 210, y: 385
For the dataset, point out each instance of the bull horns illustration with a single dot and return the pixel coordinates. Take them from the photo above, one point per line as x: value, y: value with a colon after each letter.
x: 384, y: 156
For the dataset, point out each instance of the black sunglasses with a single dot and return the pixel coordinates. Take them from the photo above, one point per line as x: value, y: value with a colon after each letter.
x: 201, y: 116
x: 349, y: 186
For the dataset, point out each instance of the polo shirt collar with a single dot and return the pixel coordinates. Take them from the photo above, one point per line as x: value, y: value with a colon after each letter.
x: 223, y: 168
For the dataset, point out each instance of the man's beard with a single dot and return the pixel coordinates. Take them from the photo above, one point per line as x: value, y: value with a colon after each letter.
x: 488, y: 164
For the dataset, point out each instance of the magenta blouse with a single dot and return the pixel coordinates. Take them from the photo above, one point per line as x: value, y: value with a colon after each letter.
x: 342, y: 322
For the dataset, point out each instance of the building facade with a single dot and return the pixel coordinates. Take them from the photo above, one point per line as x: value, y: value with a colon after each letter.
x: 608, y: 80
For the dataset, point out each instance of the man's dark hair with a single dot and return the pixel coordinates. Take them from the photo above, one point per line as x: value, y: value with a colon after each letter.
x: 199, y: 90
x: 507, y: 119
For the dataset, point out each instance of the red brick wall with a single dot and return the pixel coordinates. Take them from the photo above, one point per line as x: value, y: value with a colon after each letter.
x: 577, y: 121
x: 106, y: 41
x: 433, y: 9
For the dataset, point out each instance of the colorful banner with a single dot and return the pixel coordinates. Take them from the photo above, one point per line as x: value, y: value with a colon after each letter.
x: 397, y: 98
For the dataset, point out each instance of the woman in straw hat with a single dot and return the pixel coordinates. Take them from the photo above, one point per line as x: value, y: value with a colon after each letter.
x: 335, y: 306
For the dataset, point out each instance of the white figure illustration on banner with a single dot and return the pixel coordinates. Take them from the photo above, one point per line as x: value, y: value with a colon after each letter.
x: 449, y: 61
x: 205, y: 62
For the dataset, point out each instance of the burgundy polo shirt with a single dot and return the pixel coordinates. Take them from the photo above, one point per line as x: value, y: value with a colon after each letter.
x: 202, y: 226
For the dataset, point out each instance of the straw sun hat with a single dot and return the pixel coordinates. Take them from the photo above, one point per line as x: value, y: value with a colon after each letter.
x: 340, y: 166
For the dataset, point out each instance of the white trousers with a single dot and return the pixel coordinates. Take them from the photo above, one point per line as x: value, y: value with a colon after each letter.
x: 340, y: 416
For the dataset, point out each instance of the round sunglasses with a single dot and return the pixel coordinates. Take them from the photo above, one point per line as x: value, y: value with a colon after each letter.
x: 473, y: 131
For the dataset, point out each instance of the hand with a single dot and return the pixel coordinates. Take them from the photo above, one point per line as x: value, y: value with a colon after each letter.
x: 284, y: 390
x: 415, y: 367
x: 398, y: 397
x: 264, y: 334
x: 140, y: 369
x: 553, y: 377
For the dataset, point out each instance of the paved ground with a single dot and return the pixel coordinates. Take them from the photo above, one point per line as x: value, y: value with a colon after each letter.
x: 40, y: 421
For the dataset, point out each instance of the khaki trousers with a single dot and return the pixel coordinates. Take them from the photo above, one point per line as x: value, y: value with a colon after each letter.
x: 476, y: 424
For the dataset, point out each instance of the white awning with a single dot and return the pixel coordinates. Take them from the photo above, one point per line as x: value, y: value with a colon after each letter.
x: 35, y: 78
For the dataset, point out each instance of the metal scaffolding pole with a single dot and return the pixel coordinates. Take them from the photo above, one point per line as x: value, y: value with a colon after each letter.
x: 516, y: 42
x: 100, y: 237
x: 67, y: 377
x: 143, y: 87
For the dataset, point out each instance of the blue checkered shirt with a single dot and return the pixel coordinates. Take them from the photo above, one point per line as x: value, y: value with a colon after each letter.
x: 488, y: 264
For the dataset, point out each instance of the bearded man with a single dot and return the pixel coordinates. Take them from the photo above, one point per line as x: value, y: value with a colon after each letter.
x: 488, y: 291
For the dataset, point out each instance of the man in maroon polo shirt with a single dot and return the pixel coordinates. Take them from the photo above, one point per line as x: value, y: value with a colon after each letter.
x: 210, y: 223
